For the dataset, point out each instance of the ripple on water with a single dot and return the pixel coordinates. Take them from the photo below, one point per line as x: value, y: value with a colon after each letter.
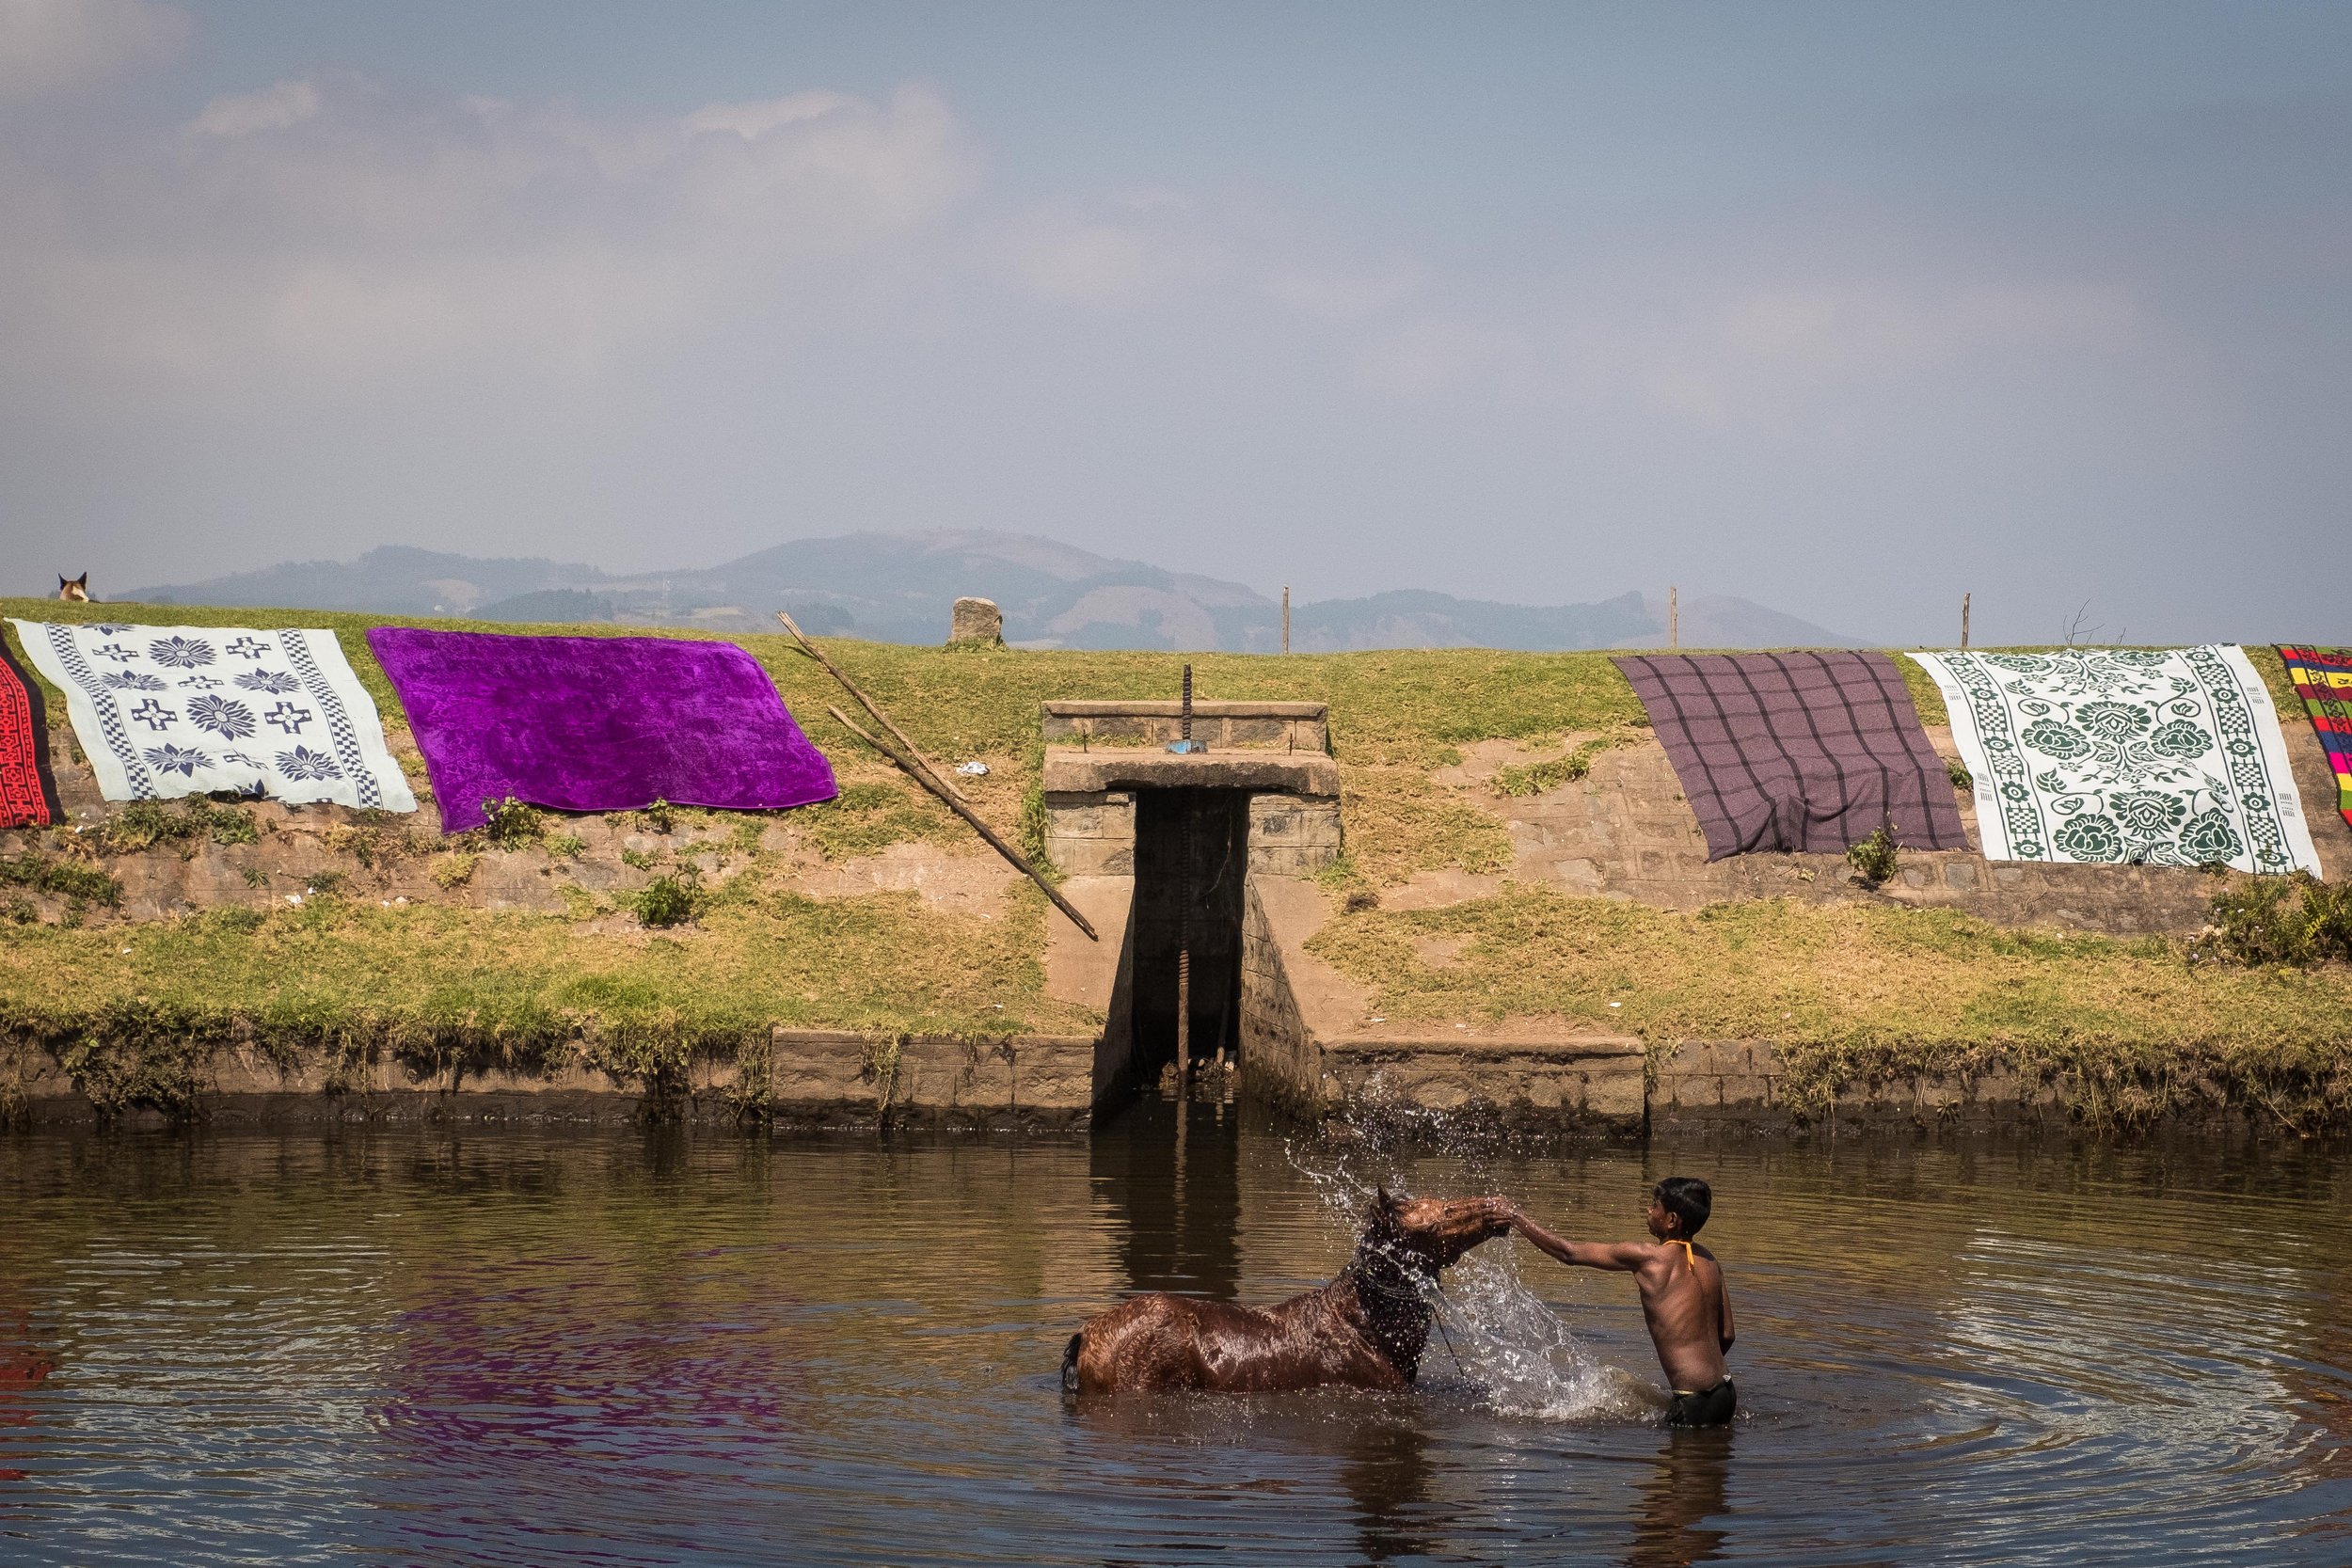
x: 596, y: 1350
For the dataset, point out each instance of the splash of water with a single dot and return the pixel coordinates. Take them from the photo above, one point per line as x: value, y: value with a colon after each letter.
x: 1514, y: 1352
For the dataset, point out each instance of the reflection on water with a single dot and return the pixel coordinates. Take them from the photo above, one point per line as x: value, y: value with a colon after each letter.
x: 539, y: 1349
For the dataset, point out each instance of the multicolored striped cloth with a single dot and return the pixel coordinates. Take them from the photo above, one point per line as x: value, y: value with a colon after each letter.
x: 2324, y: 678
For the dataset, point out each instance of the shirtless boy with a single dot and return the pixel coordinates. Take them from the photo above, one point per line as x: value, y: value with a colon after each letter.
x: 1682, y: 1296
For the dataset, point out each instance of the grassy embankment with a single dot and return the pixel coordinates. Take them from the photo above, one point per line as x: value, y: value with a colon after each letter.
x: 1848, y: 993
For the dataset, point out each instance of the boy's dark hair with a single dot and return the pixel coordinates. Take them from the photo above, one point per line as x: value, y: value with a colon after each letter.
x: 1688, y: 1200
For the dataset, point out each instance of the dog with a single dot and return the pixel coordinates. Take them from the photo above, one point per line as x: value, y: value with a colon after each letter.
x: 76, y: 590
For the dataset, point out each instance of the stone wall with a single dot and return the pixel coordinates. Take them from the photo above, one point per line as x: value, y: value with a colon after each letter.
x: 1222, y: 726
x: 805, y: 1077
x: 1737, y: 1083
x: 1309, y: 1045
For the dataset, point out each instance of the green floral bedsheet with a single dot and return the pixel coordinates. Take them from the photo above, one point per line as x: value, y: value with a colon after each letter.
x: 2132, y: 756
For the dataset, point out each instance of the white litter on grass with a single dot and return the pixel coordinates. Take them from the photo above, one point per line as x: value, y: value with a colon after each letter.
x: 972, y: 769
x: 126, y: 952
x: 1616, y: 1004
x: 1379, y: 1021
x: 293, y: 898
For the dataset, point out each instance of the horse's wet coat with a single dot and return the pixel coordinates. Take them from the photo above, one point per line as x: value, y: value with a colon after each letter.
x: 1366, y: 1329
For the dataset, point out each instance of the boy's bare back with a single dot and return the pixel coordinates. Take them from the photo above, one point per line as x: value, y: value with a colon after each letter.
x: 1683, y: 1296
x: 1688, y: 1309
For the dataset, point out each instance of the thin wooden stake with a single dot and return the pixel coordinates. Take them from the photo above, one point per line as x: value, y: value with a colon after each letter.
x: 915, y: 769
x: 868, y: 704
x: 1963, y: 620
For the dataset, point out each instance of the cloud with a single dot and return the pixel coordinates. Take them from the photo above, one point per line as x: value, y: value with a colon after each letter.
x: 1440, y: 353
x: 327, y: 226
x: 245, y: 114
x: 1132, y: 250
x: 50, y: 46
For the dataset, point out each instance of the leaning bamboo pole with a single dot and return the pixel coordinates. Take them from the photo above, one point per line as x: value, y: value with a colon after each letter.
x: 915, y: 768
x: 813, y: 651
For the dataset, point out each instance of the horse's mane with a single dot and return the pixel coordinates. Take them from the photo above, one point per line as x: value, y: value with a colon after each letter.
x: 1385, y: 1274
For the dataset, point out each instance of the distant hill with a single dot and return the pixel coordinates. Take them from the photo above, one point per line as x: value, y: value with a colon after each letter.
x: 898, y: 586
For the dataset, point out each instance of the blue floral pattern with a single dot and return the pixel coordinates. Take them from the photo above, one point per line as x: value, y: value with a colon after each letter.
x: 164, y: 711
x: 303, y: 763
x: 168, y: 758
x: 181, y: 653
x: 229, y: 719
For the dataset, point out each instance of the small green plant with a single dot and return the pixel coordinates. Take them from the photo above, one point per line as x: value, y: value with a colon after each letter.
x: 19, y: 911
x: 644, y: 860
x: 1537, y: 777
x: 454, y: 869
x: 565, y: 847
x: 82, y: 884
x: 671, y: 900
x: 747, y: 835
x: 660, y: 817
x: 509, y: 824
x: 144, y: 823
x: 256, y: 877
x: 1033, y: 825
x: 1958, y: 771
x: 325, y: 884
x: 374, y: 838
x: 1873, y: 859
x: 2296, y: 920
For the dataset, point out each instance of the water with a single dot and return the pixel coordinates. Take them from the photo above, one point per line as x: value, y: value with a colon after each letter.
x: 542, y: 1349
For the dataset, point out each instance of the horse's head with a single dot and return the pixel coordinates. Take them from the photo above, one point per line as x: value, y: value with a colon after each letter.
x: 1432, y: 1233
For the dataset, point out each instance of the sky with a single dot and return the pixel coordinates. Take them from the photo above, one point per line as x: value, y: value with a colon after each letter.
x: 1847, y: 309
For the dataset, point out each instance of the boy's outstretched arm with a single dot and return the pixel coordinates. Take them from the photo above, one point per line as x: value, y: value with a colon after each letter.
x: 1723, y: 1310
x: 1591, y: 1255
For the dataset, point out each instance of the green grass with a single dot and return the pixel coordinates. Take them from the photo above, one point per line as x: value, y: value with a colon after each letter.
x: 1850, y: 992
x: 1857, y: 994
x: 432, y: 986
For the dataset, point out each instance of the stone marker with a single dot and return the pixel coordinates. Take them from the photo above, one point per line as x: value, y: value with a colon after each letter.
x: 976, y: 620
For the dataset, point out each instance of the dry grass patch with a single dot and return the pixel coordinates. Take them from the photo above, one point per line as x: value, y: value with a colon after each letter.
x: 437, y: 986
x: 1863, y: 993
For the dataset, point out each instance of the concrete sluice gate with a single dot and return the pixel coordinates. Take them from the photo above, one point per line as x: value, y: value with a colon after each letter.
x: 1207, y: 854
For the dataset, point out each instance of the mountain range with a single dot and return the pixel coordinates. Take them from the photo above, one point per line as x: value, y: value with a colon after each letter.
x: 898, y: 588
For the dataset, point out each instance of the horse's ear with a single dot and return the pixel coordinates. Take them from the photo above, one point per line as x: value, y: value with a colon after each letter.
x: 1384, y: 1200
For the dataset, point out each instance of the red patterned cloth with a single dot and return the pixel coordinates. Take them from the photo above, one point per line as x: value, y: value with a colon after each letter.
x: 28, y: 791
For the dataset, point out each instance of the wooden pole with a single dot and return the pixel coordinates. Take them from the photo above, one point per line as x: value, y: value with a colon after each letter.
x: 1286, y: 617
x: 1674, y: 616
x: 922, y: 775
x: 813, y: 651
x: 1963, y: 620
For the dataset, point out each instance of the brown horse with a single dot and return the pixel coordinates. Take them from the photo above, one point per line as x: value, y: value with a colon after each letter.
x: 1366, y: 1329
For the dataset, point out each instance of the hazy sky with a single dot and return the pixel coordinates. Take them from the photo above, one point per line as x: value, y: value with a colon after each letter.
x: 1843, y: 307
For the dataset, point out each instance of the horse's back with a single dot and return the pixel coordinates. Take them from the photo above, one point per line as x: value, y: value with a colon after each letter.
x: 1160, y: 1341
x: 1165, y: 1343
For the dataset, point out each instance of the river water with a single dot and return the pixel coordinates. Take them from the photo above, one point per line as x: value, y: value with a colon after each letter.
x: 540, y: 1348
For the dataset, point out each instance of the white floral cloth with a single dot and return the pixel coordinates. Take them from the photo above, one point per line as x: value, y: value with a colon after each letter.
x: 164, y: 711
x: 2129, y: 756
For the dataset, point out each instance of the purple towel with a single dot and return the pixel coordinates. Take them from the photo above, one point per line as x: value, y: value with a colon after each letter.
x: 596, y: 723
x: 1797, y: 752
